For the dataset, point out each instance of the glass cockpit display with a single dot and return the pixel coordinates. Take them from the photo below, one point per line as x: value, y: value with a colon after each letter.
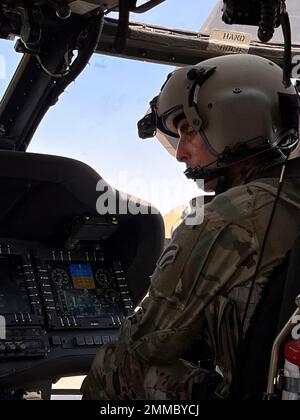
x: 13, y: 292
x: 84, y: 289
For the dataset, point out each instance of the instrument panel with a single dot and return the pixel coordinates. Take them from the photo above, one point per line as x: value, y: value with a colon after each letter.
x: 68, y: 275
x: 58, y: 302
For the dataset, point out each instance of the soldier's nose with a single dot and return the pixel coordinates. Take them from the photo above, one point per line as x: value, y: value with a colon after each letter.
x: 182, y: 152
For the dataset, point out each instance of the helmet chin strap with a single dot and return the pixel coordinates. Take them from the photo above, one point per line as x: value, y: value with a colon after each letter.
x: 221, y: 173
x: 206, y: 174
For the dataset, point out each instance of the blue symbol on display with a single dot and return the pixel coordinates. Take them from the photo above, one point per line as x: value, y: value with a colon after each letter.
x: 81, y: 270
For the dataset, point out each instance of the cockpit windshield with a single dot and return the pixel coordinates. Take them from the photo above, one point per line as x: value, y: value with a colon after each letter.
x: 95, y: 119
x: 176, y: 14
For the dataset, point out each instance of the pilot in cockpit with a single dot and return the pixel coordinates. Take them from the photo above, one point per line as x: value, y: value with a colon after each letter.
x: 236, y: 126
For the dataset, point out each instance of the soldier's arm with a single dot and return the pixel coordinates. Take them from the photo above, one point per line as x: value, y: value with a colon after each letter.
x: 201, y: 263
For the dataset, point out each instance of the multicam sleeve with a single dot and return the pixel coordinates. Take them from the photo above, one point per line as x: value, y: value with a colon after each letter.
x: 199, y: 266
x: 201, y: 262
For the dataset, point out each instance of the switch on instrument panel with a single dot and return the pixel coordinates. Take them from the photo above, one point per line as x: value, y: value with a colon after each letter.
x: 80, y: 341
x: 55, y: 341
x: 89, y: 341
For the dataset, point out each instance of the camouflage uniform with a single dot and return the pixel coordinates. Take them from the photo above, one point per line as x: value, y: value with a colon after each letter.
x: 199, y: 290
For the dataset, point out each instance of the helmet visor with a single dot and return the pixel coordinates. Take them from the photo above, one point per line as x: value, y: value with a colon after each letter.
x: 169, y: 120
x: 163, y: 129
x: 168, y: 142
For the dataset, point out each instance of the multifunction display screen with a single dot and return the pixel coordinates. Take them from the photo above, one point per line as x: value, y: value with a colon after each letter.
x: 84, y: 289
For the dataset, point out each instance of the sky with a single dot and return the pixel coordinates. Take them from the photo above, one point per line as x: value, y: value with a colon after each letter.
x: 95, y: 119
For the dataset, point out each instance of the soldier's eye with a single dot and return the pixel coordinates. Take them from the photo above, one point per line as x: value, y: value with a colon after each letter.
x: 187, y: 130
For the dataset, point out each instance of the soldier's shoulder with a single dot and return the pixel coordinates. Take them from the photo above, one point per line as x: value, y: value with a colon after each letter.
x: 237, y: 206
x: 238, y: 203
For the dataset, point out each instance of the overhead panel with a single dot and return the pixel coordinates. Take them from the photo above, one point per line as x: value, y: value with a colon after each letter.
x: 214, y: 21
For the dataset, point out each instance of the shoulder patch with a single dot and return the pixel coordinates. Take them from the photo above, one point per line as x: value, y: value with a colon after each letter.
x: 168, y: 256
